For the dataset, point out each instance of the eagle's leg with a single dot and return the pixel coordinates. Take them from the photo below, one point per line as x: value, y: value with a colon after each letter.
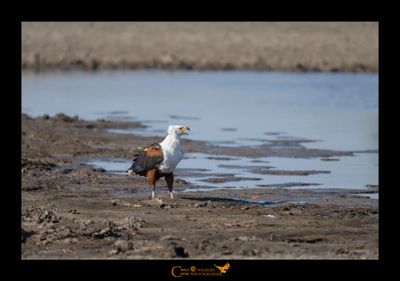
x: 170, y: 181
x: 151, y: 180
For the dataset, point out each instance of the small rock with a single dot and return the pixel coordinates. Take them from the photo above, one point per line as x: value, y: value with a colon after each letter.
x: 167, y: 237
x: 99, y: 170
x: 33, y: 187
x: 113, y: 252
x: 154, y: 202
x: 130, y: 223
x: 71, y: 241
x: 106, y: 232
x: 26, y: 234
x: 64, y: 232
x: 181, y: 181
x: 204, y: 204
x: 63, y: 117
x: 166, y: 206
x: 88, y: 222
x: 244, y: 238
x: 122, y: 245
x: 90, y: 126
x: 271, y: 237
x: 47, y: 216
x: 181, y: 252
x: 67, y: 170
x: 270, y: 216
x: 26, y: 116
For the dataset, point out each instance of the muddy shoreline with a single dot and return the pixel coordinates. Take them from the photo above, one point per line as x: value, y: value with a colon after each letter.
x: 75, y: 211
x: 263, y: 46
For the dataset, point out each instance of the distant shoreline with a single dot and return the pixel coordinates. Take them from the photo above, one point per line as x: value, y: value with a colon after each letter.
x: 86, y: 67
x: 265, y: 46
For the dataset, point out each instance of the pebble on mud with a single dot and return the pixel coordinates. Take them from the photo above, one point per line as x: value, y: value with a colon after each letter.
x: 106, y: 232
x: 65, y: 118
x: 26, y: 234
x: 181, y: 252
x: 208, y: 203
x: 123, y: 246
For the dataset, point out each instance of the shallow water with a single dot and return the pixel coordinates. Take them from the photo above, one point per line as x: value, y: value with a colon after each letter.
x: 349, y: 172
x: 337, y: 110
x: 369, y: 195
x: 111, y: 165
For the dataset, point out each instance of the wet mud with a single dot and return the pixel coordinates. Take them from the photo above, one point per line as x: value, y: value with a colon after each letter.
x: 72, y: 210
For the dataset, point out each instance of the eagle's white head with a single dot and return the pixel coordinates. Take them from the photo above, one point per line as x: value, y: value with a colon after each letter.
x: 178, y: 130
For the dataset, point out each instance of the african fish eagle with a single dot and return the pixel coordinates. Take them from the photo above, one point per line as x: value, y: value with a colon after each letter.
x: 160, y: 159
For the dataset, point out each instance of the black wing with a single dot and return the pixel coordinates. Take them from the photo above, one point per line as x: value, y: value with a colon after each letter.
x: 147, y: 159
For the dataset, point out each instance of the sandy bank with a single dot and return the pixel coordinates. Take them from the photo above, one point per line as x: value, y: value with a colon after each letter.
x: 292, y: 46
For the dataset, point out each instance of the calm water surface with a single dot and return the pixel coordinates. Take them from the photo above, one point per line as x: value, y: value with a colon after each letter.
x: 339, y: 110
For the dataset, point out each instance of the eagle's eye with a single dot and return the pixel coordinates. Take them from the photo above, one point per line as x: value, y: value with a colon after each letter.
x: 183, y: 130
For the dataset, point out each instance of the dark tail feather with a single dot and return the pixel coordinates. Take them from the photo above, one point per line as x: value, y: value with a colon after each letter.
x: 131, y: 169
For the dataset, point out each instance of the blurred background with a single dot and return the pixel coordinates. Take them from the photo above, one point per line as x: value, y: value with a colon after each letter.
x: 315, y: 46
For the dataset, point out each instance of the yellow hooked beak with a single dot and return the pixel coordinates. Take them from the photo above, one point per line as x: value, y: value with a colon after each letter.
x: 184, y: 130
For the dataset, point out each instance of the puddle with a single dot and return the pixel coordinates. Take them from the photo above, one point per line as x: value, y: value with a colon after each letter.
x: 351, y: 172
x: 209, y: 172
x: 369, y: 195
x: 111, y: 165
